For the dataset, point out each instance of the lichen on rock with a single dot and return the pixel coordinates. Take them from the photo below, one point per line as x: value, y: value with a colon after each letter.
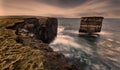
x: 22, y: 45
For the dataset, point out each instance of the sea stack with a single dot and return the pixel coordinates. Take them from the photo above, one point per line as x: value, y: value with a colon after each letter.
x: 91, y: 24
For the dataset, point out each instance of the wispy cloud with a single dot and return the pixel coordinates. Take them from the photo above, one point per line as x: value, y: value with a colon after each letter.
x: 62, y: 8
x: 63, y: 3
x: 1, y: 8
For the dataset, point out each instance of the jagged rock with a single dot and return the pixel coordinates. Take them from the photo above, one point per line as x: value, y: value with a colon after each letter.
x: 44, y: 29
x: 22, y: 49
x: 48, y: 29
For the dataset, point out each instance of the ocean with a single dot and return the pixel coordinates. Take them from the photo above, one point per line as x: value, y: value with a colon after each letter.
x: 96, y: 52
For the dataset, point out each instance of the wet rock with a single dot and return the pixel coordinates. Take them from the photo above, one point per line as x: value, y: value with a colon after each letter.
x: 48, y: 29
x: 21, y: 48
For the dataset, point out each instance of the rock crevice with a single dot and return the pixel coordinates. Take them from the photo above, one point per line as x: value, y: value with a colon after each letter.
x: 44, y: 29
x: 29, y: 51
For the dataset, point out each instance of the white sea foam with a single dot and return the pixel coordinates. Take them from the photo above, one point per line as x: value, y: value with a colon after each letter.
x: 60, y: 29
x: 110, y: 39
x: 72, y: 31
x: 105, y: 33
x: 105, y: 47
x: 118, y: 42
x: 68, y: 42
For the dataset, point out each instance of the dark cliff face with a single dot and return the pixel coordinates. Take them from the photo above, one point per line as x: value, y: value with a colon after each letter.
x: 22, y: 47
x: 48, y: 29
x: 44, y: 29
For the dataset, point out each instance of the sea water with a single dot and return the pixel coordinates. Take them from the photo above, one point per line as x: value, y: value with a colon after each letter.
x: 100, y: 51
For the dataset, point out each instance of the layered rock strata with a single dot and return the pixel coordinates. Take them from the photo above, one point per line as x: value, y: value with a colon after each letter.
x: 22, y: 45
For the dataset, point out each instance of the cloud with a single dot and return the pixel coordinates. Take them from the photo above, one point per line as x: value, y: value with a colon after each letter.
x: 1, y: 8
x: 115, y: 3
x: 114, y: 13
x: 61, y: 8
x: 63, y: 3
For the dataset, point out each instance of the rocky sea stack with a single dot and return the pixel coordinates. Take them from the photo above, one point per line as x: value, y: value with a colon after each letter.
x: 23, y: 45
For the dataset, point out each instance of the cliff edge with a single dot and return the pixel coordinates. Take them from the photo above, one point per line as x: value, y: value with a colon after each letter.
x: 22, y: 45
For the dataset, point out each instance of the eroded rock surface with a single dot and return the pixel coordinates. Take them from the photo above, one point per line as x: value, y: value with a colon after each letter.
x: 21, y: 48
x: 44, y: 29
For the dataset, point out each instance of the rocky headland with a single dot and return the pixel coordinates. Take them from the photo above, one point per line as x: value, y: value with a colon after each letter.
x: 24, y: 45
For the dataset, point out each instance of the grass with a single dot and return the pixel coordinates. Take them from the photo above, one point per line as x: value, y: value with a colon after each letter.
x: 15, y: 56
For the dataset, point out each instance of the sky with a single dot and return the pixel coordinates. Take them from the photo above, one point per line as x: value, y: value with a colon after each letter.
x: 61, y: 8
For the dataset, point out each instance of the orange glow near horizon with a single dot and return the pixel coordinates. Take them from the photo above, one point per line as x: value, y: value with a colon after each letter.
x: 33, y: 7
x: 1, y: 9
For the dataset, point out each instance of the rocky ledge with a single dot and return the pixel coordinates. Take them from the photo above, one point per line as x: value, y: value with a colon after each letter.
x: 22, y: 45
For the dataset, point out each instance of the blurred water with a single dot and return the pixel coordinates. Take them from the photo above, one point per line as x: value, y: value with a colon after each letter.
x: 97, y: 52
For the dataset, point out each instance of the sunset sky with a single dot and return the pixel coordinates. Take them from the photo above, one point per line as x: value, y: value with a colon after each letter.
x: 61, y: 8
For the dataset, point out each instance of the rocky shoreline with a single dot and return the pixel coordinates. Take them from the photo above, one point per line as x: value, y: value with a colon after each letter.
x: 24, y: 45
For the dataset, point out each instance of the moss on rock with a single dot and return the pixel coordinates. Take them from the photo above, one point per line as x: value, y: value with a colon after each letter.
x: 27, y: 53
